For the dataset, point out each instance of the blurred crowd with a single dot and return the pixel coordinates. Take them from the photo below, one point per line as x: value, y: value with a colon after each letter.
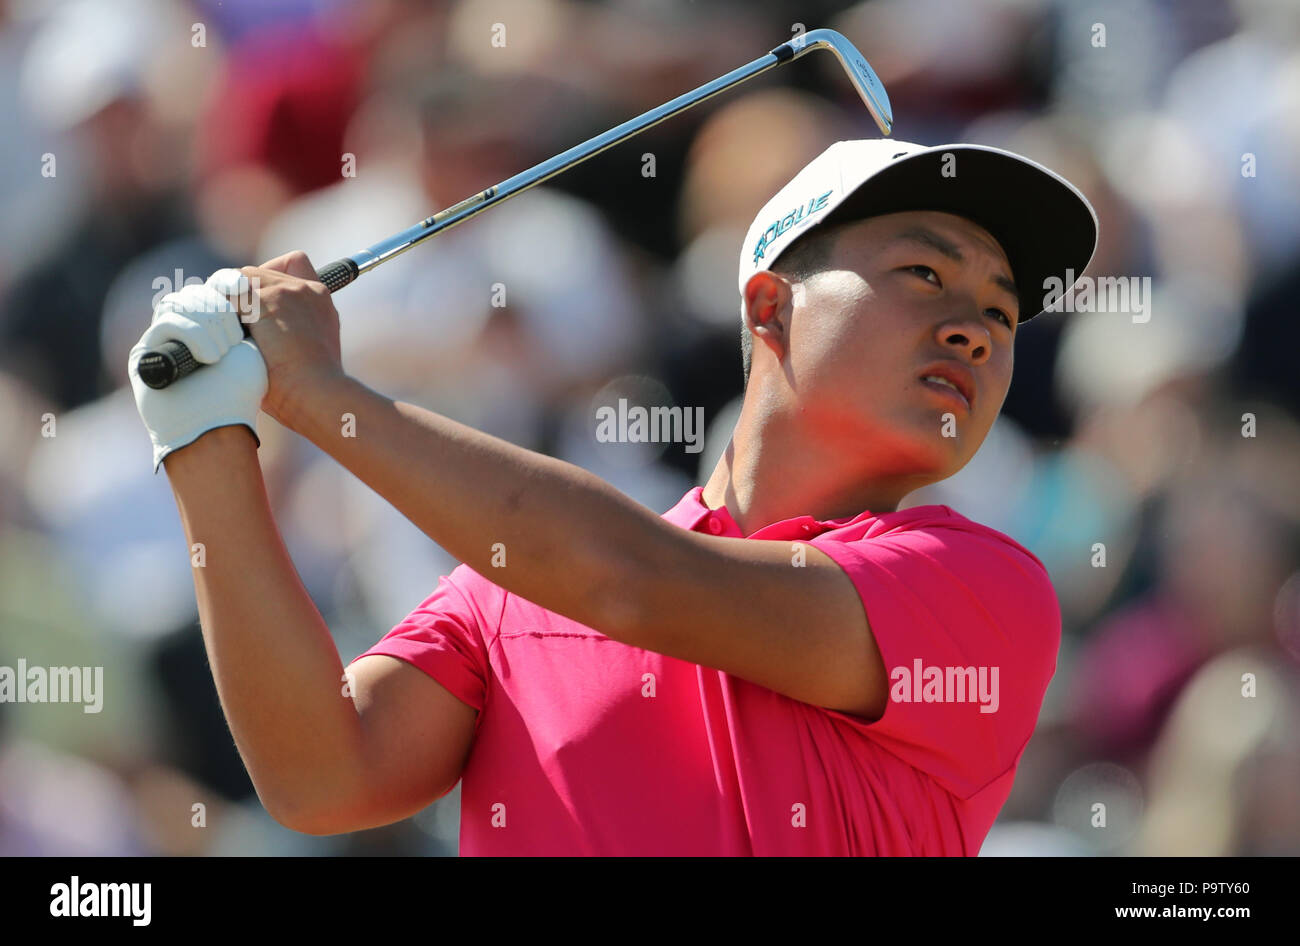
x: 1151, y: 465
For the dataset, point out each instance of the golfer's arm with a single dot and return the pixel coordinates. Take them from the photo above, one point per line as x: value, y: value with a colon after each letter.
x: 321, y: 762
x: 565, y: 536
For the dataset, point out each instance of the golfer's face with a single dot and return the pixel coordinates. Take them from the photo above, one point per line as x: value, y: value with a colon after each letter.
x: 906, y: 291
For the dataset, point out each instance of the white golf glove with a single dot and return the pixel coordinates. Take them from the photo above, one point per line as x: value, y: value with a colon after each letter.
x: 227, y: 391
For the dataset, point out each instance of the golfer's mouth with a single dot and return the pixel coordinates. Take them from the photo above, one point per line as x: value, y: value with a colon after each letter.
x: 952, y: 381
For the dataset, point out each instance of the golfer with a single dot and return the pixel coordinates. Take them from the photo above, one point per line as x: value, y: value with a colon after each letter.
x: 784, y: 663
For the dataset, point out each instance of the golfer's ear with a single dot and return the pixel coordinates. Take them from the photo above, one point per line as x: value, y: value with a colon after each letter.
x: 768, y: 303
x: 293, y: 264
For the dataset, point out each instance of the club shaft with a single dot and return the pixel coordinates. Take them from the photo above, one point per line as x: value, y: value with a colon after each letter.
x: 172, y: 360
x: 399, y: 243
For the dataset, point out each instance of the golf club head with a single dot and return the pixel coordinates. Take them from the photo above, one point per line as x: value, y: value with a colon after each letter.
x: 864, y: 78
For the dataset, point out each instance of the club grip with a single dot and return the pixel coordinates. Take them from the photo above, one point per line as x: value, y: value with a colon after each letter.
x: 169, y: 362
x: 338, y: 274
x: 165, y: 365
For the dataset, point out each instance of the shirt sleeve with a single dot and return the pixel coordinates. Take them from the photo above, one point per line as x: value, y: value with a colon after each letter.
x: 446, y: 637
x: 968, y: 626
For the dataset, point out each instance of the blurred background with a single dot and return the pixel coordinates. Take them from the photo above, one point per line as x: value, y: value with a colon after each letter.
x: 1151, y: 465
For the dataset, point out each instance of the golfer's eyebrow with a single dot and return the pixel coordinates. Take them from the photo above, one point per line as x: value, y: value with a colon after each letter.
x: 949, y: 249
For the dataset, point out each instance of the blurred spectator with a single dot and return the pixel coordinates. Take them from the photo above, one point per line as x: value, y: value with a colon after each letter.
x: 282, y: 102
x: 85, y: 73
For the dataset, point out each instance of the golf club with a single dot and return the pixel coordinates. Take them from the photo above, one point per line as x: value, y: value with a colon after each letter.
x: 172, y: 360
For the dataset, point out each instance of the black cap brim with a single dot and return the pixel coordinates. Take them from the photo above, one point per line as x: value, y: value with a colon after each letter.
x: 1046, y: 227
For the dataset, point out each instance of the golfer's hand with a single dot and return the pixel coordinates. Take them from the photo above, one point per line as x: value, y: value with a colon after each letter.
x: 227, y: 391
x: 296, y: 327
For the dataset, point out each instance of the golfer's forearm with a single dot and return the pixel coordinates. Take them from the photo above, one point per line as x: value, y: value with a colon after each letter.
x: 544, y: 529
x: 277, y: 670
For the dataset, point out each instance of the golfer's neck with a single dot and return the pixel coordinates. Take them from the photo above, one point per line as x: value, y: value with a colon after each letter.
x: 770, y: 472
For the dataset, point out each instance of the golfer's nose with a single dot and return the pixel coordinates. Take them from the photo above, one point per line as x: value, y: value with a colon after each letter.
x: 968, y: 335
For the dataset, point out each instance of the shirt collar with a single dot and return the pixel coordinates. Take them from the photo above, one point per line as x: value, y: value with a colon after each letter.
x: 692, y: 513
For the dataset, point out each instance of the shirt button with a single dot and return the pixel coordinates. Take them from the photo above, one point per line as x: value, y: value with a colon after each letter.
x: 714, y: 525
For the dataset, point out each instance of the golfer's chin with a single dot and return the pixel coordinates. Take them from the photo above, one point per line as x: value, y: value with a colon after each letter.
x: 934, y: 448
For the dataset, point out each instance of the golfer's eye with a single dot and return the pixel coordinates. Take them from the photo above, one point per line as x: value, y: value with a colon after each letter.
x: 925, y: 272
x: 998, y: 313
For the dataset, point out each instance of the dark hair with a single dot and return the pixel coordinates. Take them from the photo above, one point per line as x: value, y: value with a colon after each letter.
x: 805, y: 257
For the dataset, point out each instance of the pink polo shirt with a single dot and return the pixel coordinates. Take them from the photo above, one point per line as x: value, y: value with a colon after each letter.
x: 586, y: 746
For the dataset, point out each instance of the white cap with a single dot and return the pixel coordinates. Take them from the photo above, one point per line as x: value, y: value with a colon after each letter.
x: 1044, y: 224
x: 88, y: 53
